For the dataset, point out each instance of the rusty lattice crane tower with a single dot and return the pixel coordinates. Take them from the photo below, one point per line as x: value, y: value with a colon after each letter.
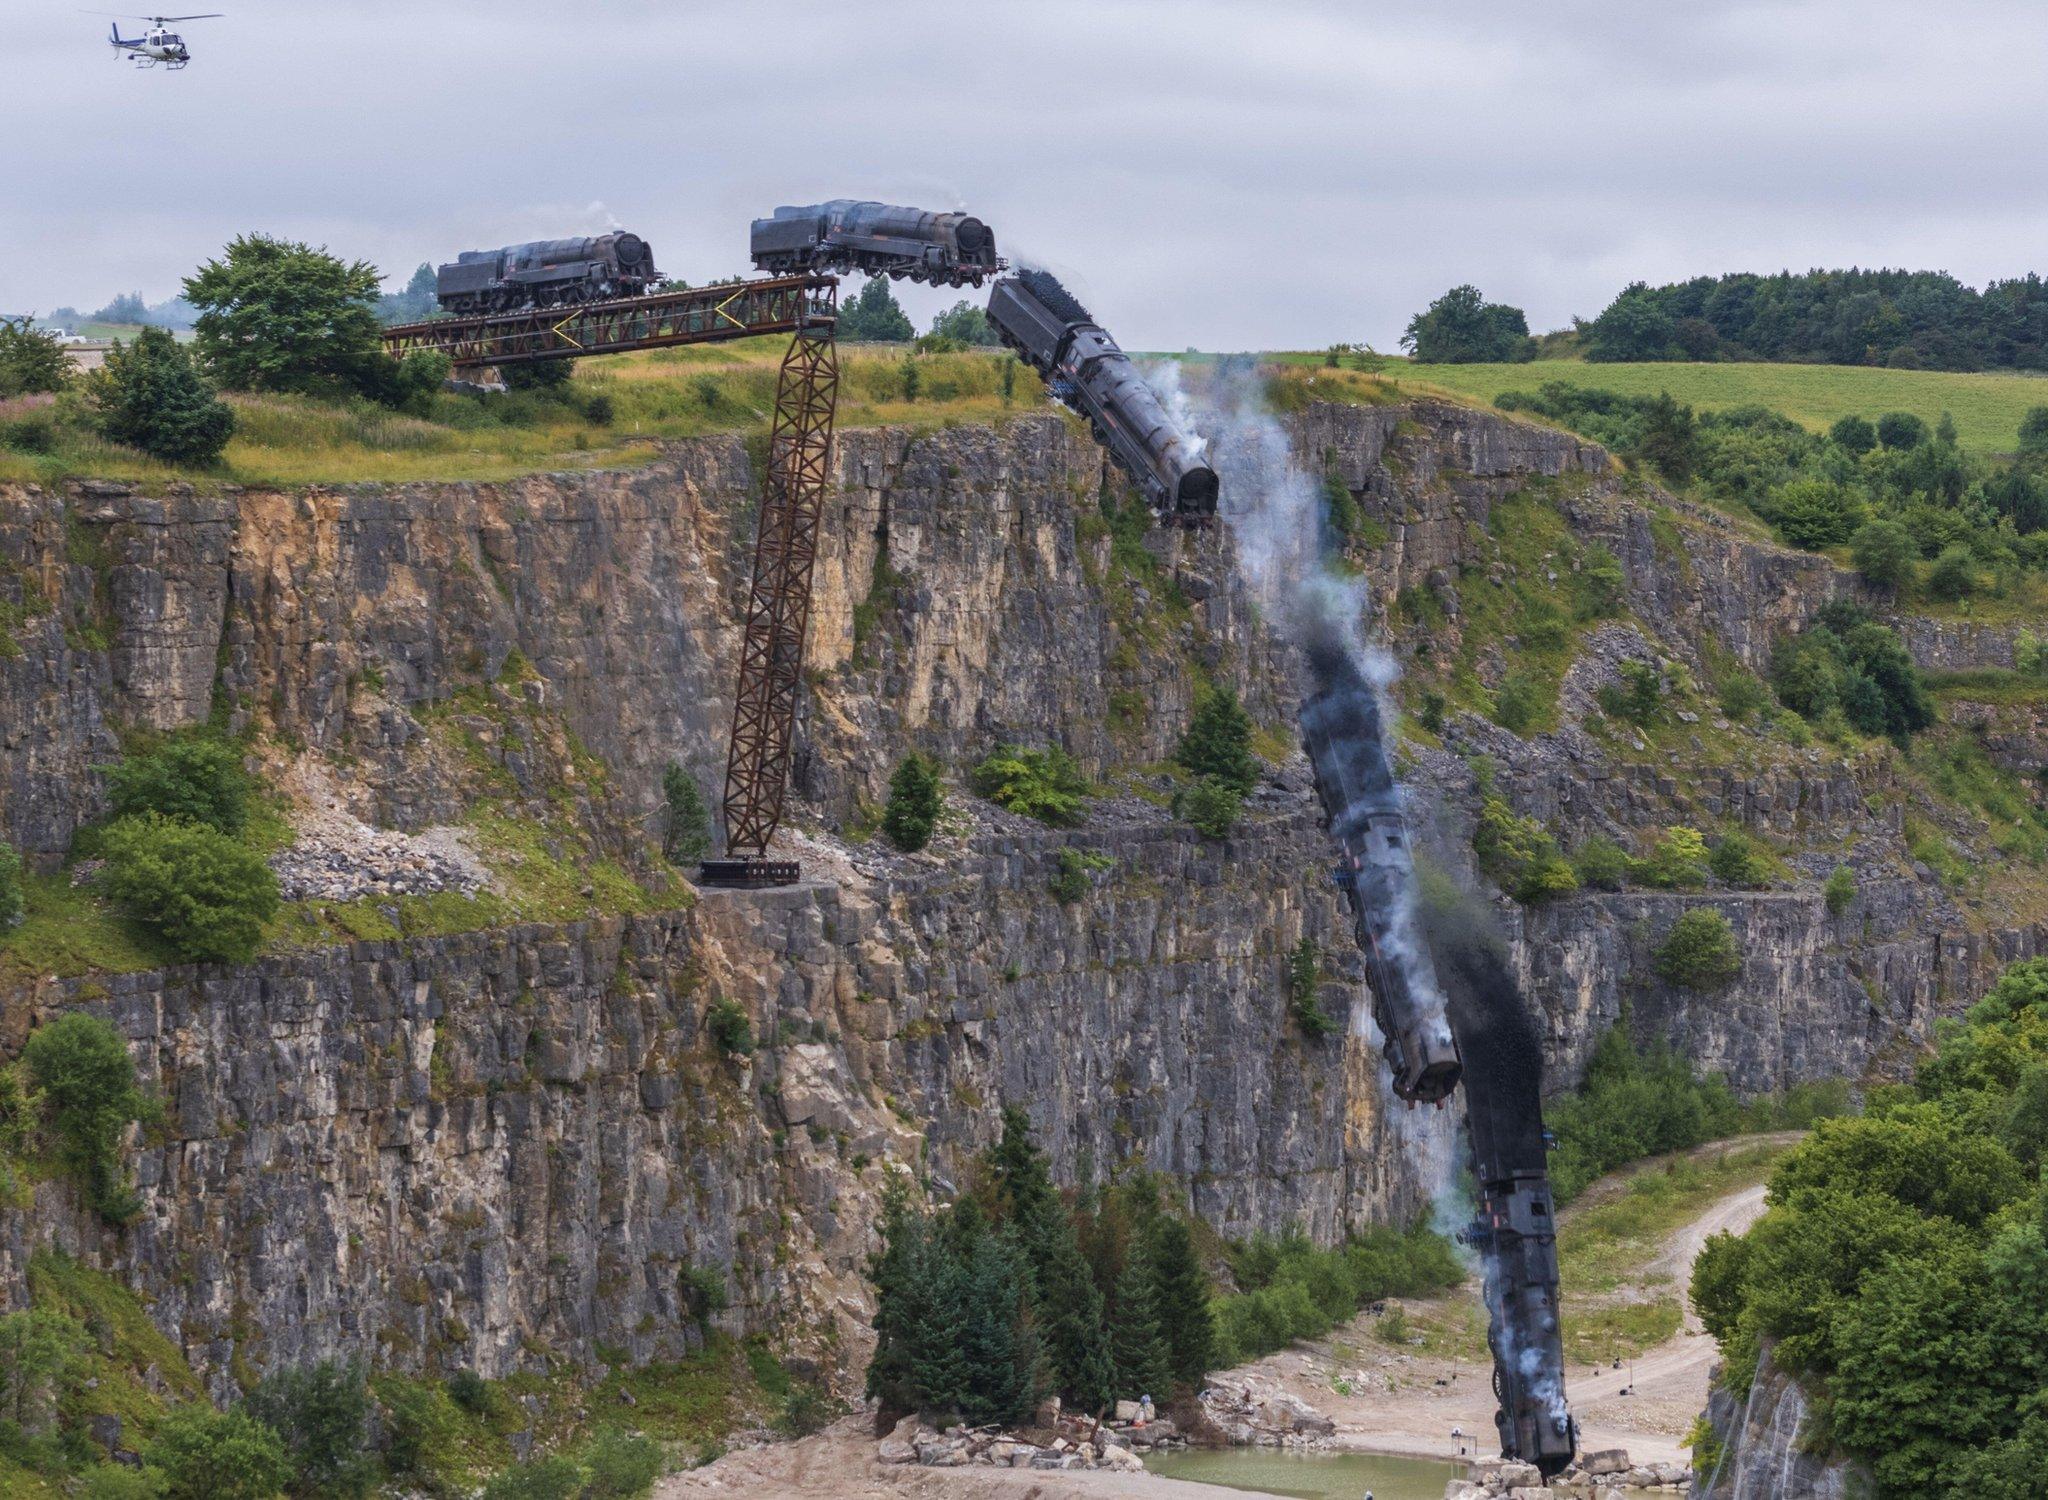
x: 778, y: 612
x: 793, y: 491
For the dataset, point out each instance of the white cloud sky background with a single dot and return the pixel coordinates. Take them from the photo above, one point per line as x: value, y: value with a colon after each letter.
x: 1254, y: 174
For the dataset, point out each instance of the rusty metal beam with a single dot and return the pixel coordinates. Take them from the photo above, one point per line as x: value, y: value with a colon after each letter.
x: 779, y: 604
x: 701, y: 315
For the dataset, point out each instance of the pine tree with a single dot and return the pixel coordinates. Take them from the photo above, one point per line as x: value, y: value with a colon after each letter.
x: 1136, y: 1349
x: 1182, y: 1292
x: 916, y: 798
x: 1070, y: 1314
x: 999, y: 1348
x: 941, y: 1313
x: 1219, y: 743
x: 1023, y: 1181
x: 920, y: 1314
x: 687, y: 834
x: 150, y: 397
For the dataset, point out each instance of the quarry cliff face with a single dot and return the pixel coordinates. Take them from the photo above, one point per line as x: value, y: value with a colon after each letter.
x: 499, y: 1147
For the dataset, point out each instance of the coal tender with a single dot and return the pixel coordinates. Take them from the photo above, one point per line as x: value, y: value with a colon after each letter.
x: 1340, y: 723
x: 1086, y: 371
x: 1513, y: 1229
x: 880, y: 239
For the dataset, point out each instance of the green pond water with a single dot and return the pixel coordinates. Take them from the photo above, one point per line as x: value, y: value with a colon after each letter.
x: 1310, y: 1476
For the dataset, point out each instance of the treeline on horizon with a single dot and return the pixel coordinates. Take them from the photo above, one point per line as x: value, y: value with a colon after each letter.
x: 1903, y: 320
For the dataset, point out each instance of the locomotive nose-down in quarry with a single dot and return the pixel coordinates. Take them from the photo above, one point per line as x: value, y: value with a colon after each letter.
x: 1083, y: 367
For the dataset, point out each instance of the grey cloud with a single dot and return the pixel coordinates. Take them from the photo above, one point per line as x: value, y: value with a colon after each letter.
x: 1216, y: 174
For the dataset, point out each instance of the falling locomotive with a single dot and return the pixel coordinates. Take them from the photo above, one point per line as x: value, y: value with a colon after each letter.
x: 547, y: 273
x: 880, y: 239
x: 1084, y: 369
x: 1340, y: 723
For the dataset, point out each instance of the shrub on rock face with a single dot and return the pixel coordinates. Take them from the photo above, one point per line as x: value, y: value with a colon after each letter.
x: 1740, y: 860
x: 1212, y: 806
x: 1601, y: 864
x: 622, y: 1466
x: 10, y: 887
x: 87, y: 1081
x: 686, y: 832
x: 206, y: 895
x: 550, y: 1478
x: 731, y: 1032
x: 321, y: 1413
x: 1700, y: 951
x: 1519, y: 854
x: 201, y: 781
x: 1218, y: 743
x: 203, y: 1454
x: 1076, y: 874
x: 1043, y: 784
x: 1678, y: 861
x: 1840, y: 890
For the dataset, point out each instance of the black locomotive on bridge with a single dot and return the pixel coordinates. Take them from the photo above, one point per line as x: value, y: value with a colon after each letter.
x: 879, y: 239
x: 547, y: 273
x: 1083, y: 368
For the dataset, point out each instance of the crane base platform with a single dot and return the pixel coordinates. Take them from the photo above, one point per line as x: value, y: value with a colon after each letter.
x: 749, y: 874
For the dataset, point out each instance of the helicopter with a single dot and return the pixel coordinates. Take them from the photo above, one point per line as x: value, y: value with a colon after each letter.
x: 156, y: 45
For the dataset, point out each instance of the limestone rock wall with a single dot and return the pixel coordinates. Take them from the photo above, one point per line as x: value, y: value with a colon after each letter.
x: 494, y: 1149
x: 509, y: 1147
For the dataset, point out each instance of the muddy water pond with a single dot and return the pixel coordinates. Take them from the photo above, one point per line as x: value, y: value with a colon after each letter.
x: 1310, y: 1476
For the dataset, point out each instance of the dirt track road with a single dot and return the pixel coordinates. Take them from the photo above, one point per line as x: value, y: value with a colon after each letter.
x: 1431, y: 1396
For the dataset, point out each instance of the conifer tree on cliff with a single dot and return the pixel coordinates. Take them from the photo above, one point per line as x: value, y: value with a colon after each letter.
x: 1218, y: 743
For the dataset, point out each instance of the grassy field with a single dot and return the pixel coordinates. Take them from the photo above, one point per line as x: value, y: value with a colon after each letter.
x: 1987, y: 407
x: 654, y: 396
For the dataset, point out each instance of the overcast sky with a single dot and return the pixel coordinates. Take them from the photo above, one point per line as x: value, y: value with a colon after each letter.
x: 1250, y: 174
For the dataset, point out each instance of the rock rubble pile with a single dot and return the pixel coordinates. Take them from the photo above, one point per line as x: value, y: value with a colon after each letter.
x: 1053, y: 1441
x: 338, y: 857
x: 1253, y: 1412
x: 1603, y: 1475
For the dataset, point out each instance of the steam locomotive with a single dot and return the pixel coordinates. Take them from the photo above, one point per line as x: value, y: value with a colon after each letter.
x: 1083, y: 367
x: 547, y: 273
x: 1340, y: 724
x: 878, y: 238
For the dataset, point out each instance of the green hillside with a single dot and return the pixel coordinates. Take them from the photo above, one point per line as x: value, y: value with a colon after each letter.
x: 1987, y: 406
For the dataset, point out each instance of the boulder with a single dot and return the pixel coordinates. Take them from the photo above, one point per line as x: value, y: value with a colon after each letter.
x: 1519, y: 1475
x: 1531, y: 1492
x: 1127, y: 1411
x: 1122, y: 1458
x: 1607, y: 1461
x: 893, y: 1450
